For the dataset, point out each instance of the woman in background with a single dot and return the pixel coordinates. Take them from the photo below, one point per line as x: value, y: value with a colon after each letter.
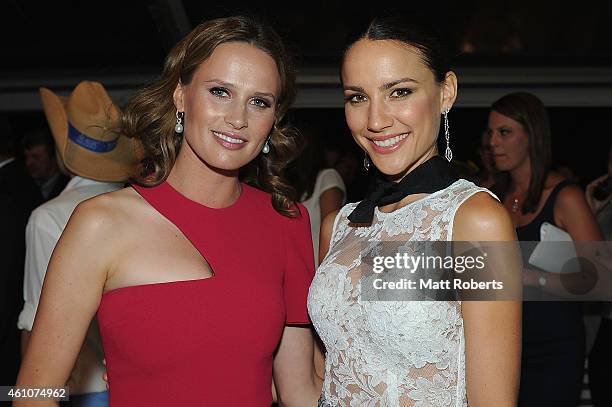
x: 599, y: 197
x: 320, y: 188
x: 553, y: 331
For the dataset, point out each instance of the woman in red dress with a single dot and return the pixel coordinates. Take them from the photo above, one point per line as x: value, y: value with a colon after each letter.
x: 199, y: 273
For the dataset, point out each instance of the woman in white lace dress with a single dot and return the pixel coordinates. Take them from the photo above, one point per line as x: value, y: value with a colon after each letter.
x: 397, y: 86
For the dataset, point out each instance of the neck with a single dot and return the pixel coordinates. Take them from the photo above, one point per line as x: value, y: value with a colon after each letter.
x: 52, y: 171
x: 412, y: 197
x: 521, y: 177
x: 430, y: 153
x: 50, y: 177
x: 199, y: 182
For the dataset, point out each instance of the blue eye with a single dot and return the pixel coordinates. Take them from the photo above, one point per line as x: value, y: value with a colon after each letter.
x: 262, y: 103
x: 219, y: 92
x: 400, y: 93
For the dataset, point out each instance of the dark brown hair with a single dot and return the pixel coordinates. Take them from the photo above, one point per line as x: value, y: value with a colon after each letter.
x: 150, y: 114
x: 530, y: 112
x: 413, y: 31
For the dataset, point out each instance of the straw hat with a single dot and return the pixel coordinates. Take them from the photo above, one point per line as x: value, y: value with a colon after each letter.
x: 82, y: 126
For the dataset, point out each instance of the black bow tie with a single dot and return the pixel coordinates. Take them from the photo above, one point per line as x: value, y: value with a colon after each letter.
x: 431, y: 176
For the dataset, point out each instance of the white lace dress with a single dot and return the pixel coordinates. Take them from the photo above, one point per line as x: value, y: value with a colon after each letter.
x: 389, y: 353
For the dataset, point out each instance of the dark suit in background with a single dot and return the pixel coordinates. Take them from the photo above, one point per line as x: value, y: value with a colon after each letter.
x: 19, y: 195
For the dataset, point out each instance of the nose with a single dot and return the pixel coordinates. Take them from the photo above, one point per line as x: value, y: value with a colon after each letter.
x: 494, y: 140
x: 29, y: 161
x: 378, y: 117
x: 236, y: 116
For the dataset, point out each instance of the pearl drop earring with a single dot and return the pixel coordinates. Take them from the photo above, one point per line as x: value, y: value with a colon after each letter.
x: 179, y: 122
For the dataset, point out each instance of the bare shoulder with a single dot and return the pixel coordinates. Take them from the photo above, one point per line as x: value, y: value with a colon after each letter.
x: 571, y: 194
x: 571, y: 197
x: 482, y: 217
x: 552, y: 179
x: 106, y: 214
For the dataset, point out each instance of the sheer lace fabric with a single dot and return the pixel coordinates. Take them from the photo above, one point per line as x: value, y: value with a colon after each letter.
x: 389, y: 353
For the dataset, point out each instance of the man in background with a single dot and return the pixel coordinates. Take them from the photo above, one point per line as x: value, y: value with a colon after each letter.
x: 18, y: 197
x: 39, y: 153
x: 99, y: 161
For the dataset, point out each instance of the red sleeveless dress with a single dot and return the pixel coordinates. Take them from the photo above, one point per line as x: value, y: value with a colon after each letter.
x: 210, y: 342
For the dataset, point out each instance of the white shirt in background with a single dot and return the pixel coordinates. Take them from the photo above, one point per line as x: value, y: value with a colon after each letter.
x: 44, y: 228
x: 326, y: 179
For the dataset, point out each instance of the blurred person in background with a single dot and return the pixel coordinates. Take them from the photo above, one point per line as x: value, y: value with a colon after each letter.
x: 553, y: 331
x: 599, y: 197
x: 320, y: 188
x: 485, y: 176
x: 41, y: 161
x: 19, y: 195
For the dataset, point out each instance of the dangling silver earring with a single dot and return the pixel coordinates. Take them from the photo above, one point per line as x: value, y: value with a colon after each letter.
x: 366, y: 162
x: 266, y: 147
x: 448, y: 154
x: 178, y: 128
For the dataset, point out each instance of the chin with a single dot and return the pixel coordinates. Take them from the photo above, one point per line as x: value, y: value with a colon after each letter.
x: 228, y: 166
x: 224, y: 164
x: 395, y: 166
x: 391, y: 170
x: 227, y: 160
x: 502, y: 167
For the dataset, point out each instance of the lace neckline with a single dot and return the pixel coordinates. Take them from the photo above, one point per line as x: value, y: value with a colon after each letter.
x: 379, y: 214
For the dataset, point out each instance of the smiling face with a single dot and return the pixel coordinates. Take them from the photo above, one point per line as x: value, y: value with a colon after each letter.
x: 393, y: 103
x: 229, y: 105
x: 509, y: 142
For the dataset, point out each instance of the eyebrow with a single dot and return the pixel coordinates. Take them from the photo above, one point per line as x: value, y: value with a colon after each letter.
x: 384, y: 87
x: 231, y: 85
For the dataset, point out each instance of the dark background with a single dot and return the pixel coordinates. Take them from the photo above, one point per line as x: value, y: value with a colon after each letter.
x: 75, y: 40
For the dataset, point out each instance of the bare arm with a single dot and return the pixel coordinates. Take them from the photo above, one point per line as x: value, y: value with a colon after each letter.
x: 294, y: 376
x: 573, y: 214
x: 492, y: 328
x: 330, y: 201
x: 25, y: 338
x: 327, y: 228
x: 41, y: 239
x: 70, y: 297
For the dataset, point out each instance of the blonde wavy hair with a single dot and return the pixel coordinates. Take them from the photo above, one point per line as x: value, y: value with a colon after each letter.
x: 150, y: 114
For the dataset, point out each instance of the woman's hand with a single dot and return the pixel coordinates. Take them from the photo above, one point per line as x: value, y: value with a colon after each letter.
x: 531, y: 277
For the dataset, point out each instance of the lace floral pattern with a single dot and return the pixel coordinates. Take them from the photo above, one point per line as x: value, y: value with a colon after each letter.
x: 389, y: 353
